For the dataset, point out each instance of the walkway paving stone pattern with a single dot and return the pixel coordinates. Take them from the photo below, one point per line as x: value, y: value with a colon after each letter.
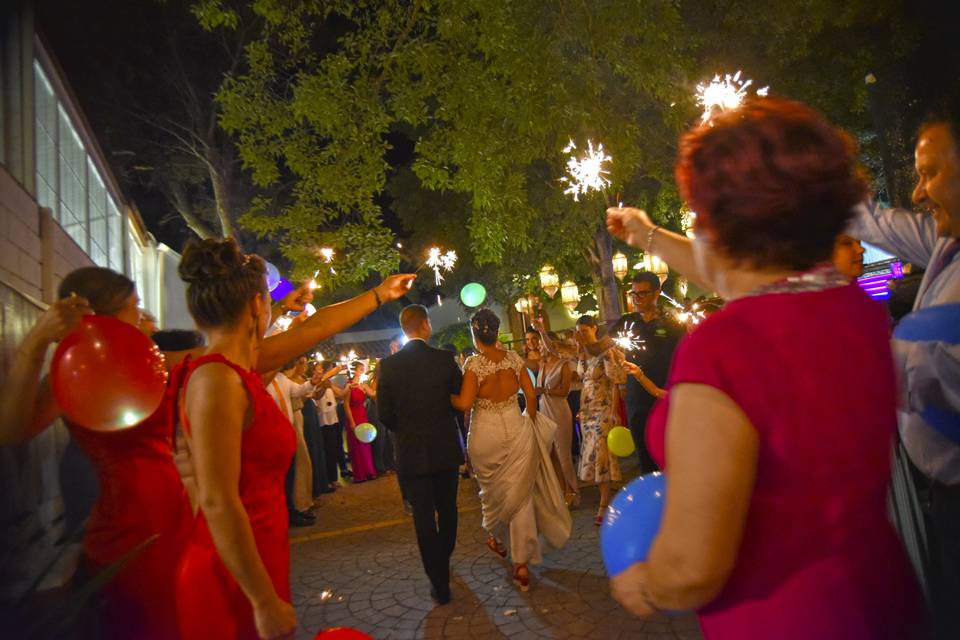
x: 359, y: 567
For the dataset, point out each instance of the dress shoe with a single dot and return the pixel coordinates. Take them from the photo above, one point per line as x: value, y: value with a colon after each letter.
x: 301, y: 520
x: 440, y: 596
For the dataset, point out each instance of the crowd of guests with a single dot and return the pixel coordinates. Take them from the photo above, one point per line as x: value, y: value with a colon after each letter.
x: 773, y: 420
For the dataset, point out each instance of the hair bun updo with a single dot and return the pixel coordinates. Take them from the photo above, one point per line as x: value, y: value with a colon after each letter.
x: 210, y: 259
x: 220, y: 279
x: 485, y: 326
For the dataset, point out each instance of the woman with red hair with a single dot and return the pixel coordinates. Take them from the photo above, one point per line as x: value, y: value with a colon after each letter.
x: 776, y: 432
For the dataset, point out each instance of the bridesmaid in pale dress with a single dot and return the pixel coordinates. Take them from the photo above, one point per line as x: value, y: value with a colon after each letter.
x: 553, y: 387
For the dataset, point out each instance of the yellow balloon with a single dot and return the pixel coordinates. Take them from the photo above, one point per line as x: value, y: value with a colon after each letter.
x: 620, y: 442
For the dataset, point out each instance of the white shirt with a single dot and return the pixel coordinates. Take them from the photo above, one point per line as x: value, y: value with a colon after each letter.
x: 328, y: 408
x: 288, y: 392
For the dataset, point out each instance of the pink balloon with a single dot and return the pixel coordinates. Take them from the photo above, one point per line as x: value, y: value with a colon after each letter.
x: 106, y: 375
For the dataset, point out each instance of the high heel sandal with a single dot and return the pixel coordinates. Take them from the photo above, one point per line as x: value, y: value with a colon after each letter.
x: 521, y: 580
x: 600, y: 514
x: 494, y: 545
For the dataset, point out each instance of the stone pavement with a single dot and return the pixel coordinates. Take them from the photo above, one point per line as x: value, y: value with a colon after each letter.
x: 359, y: 567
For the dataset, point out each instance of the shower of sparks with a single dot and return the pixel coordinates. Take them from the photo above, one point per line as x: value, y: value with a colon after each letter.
x: 349, y: 361
x: 364, y: 377
x: 586, y: 173
x: 724, y: 94
x: 327, y: 254
x: 318, y: 357
x: 692, y: 316
x: 313, y: 284
x: 628, y: 340
x: 437, y: 260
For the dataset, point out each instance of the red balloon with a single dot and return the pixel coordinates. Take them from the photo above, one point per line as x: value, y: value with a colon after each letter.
x: 106, y: 375
x: 341, y: 633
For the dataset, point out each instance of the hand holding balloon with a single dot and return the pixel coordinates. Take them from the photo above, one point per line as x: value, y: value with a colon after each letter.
x: 61, y: 318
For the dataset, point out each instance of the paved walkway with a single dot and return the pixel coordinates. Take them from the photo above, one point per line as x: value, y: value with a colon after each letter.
x: 359, y: 567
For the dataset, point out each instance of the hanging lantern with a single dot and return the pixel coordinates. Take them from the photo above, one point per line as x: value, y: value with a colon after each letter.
x: 549, y: 281
x: 687, y: 220
x: 655, y: 265
x: 619, y: 265
x: 570, y: 295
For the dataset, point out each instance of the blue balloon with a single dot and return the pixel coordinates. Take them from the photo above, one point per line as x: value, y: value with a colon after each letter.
x: 273, y: 276
x: 282, y: 289
x: 632, y: 522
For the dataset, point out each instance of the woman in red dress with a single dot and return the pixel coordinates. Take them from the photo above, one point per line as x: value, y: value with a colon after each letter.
x: 141, y: 495
x: 775, y: 436
x: 361, y: 453
x: 233, y: 578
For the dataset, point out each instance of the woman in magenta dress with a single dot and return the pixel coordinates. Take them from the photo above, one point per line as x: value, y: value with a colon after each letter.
x: 776, y: 433
x: 361, y: 453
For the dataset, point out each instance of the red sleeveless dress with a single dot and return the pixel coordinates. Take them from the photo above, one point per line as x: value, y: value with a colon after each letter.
x: 210, y: 603
x: 141, y: 495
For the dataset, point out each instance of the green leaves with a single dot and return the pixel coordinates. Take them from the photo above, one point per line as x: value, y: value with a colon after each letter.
x: 488, y: 92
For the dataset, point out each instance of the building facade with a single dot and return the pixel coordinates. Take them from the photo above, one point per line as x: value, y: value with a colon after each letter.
x: 61, y: 208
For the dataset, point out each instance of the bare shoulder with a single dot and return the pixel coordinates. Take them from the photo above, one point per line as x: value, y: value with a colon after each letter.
x: 216, y: 380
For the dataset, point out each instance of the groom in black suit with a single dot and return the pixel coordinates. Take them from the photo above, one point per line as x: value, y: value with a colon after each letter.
x: 413, y: 396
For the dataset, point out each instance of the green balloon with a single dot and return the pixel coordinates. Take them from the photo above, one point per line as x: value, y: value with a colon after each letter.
x: 365, y: 432
x: 620, y: 442
x: 473, y: 294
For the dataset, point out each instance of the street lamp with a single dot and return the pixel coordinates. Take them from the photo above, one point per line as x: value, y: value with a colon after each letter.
x: 655, y: 265
x: 619, y: 265
x: 522, y: 306
x: 549, y: 281
x: 570, y: 295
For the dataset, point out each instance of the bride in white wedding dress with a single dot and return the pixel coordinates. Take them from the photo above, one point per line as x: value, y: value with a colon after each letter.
x: 520, y: 493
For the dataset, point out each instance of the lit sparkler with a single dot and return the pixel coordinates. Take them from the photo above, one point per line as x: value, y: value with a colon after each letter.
x: 628, y: 340
x: 437, y: 260
x: 349, y: 361
x: 724, y: 94
x: 327, y: 254
x: 586, y: 173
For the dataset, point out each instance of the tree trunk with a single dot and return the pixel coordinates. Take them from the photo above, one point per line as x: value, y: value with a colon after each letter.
x: 608, y: 293
x: 221, y: 193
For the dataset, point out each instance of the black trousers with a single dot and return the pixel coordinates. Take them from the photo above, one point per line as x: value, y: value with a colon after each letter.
x: 434, y: 501
x: 332, y: 449
x: 313, y: 435
x: 943, y: 528
x: 637, y: 417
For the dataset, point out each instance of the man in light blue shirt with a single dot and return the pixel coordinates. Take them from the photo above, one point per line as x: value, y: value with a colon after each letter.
x: 927, y: 346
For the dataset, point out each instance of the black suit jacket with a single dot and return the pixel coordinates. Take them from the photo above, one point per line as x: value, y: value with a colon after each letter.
x: 413, y: 398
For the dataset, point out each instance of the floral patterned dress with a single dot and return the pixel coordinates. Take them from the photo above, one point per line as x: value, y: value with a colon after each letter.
x: 598, y: 414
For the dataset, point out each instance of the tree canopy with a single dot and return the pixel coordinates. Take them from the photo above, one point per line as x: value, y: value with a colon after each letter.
x: 458, y: 111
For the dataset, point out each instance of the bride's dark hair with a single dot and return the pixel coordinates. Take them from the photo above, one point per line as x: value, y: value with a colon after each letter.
x: 485, y: 326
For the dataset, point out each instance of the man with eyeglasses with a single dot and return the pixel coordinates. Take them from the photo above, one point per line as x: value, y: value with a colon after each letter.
x: 660, y: 335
